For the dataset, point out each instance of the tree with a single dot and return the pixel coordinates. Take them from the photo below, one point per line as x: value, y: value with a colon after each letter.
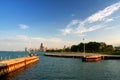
x: 102, y: 47
x: 81, y: 47
x: 109, y: 48
x: 67, y: 49
x: 74, y: 48
x: 92, y: 47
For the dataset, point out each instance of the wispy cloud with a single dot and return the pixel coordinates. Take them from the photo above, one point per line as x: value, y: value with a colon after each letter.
x: 94, y: 22
x: 81, y: 30
x: 70, y: 27
x: 101, y: 15
x: 22, y: 41
x: 111, y: 19
x: 23, y: 26
x: 110, y: 28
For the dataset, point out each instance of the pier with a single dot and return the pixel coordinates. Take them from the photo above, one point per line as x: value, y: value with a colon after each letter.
x: 90, y: 57
x: 7, y: 66
x: 71, y: 55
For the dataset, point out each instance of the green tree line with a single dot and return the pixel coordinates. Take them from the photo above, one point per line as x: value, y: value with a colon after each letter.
x: 90, y: 47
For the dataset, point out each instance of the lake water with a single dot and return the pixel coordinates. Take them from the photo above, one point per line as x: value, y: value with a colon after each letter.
x: 55, y: 68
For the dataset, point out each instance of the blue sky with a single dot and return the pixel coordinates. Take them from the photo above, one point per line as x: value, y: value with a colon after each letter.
x: 55, y: 23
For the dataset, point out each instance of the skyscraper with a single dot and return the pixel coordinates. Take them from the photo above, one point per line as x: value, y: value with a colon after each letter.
x: 41, y: 47
x: 25, y: 49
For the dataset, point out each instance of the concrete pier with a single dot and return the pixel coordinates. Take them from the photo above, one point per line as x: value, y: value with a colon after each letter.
x: 7, y: 66
x: 96, y: 56
x: 67, y: 55
x: 70, y: 55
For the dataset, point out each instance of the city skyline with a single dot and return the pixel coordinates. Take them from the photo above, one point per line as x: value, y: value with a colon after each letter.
x: 55, y: 23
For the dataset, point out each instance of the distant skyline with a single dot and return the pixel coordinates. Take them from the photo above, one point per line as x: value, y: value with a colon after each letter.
x: 55, y: 23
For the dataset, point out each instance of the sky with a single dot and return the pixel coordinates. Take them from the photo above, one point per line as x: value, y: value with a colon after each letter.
x: 55, y: 23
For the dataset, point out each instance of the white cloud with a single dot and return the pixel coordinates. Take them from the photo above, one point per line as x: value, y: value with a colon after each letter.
x: 73, y: 22
x: 101, y: 15
x: 92, y: 28
x: 66, y: 31
x: 93, y: 22
x: 70, y: 27
x: 81, y: 35
x: 109, y: 20
x: 19, y: 42
x: 23, y: 26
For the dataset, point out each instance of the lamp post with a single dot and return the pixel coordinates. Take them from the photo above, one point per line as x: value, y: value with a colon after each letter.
x: 84, y: 46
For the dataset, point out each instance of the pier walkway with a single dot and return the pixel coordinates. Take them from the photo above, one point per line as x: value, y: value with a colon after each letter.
x: 71, y: 54
x: 81, y: 55
x: 10, y: 65
x: 16, y: 60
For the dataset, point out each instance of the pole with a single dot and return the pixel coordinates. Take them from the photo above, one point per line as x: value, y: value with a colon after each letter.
x: 84, y: 46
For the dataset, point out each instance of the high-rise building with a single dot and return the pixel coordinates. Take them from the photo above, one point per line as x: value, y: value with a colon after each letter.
x: 25, y: 49
x: 41, y: 47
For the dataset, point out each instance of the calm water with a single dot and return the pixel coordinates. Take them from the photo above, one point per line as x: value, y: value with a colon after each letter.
x: 54, y: 68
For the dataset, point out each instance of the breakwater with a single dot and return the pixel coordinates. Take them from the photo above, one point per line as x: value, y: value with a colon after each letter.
x: 69, y: 55
x: 7, y: 66
x: 81, y: 55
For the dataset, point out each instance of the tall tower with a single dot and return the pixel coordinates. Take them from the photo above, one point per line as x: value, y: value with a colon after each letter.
x: 41, y: 47
x: 25, y: 49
